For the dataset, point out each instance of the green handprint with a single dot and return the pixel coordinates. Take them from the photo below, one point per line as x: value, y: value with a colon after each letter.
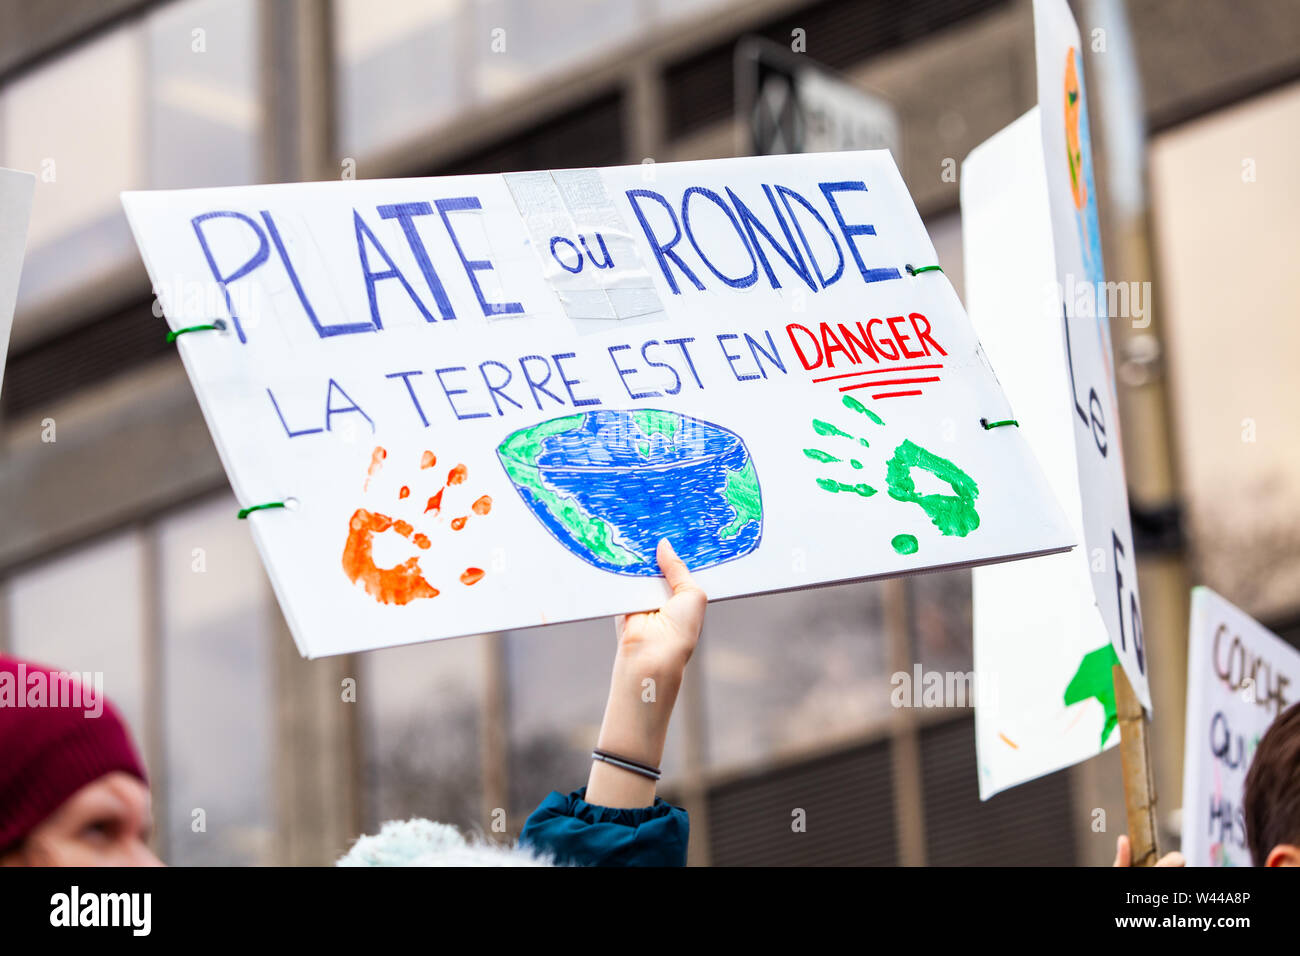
x: 953, y: 514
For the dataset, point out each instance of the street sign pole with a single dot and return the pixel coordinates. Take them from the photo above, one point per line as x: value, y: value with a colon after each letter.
x: 787, y: 102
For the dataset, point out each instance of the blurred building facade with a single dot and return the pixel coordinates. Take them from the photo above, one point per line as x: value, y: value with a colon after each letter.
x: 120, y: 553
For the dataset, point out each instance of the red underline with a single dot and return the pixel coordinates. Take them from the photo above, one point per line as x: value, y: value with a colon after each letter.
x: 896, y: 394
x: 877, y: 371
x: 891, y: 381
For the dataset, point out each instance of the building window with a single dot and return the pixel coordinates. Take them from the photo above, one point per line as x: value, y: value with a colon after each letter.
x: 216, y: 618
x: 785, y: 671
x: 204, y: 94
x: 413, y: 60
x: 422, y: 710
x: 939, y: 607
x: 85, y: 612
x: 518, y: 42
x: 78, y: 123
x: 168, y: 100
x: 429, y: 61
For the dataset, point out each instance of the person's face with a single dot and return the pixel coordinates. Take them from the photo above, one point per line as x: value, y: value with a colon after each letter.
x: 105, y: 823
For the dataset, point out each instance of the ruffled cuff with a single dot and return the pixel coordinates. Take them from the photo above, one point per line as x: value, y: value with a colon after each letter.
x: 578, y: 833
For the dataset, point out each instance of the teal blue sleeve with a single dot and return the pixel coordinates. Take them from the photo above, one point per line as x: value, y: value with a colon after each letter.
x: 578, y: 833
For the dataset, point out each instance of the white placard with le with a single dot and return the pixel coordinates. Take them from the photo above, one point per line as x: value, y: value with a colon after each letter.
x: 1047, y: 632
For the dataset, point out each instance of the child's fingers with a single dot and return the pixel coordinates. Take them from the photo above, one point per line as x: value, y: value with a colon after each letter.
x: 674, y: 568
x: 686, y: 607
x: 1123, y: 852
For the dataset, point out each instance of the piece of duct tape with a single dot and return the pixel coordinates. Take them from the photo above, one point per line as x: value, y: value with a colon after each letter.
x: 584, y: 246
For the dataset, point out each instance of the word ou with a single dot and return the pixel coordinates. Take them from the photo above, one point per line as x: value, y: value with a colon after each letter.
x: 923, y: 688
x: 132, y: 910
x: 577, y: 255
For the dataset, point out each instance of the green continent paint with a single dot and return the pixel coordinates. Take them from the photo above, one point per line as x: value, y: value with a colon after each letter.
x: 741, y: 492
x: 519, y: 453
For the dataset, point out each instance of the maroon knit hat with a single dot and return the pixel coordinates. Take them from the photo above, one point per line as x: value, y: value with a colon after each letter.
x: 52, y: 745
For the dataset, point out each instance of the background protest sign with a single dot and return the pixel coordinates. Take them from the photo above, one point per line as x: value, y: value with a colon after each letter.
x: 15, y: 209
x: 1047, y: 632
x: 487, y: 397
x: 1240, y: 676
x: 1038, y: 635
x: 1082, y: 306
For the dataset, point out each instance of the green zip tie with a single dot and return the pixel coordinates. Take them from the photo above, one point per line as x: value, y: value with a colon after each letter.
x: 1006, y: 421
x: 917, y: 270
x: 216, y: 326
x: 245, y: 512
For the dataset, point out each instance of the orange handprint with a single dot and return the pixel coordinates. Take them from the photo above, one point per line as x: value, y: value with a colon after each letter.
x: 406, y: 581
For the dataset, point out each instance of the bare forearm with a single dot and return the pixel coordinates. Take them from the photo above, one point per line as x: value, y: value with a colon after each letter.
x: 653, y: 648
x: 641, y: 698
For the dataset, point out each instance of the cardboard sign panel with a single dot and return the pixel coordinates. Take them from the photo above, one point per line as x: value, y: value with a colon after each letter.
x: 484, y: 399
x: 1047, y: 634
x: 15, y: 209
x: 1240, y: 676
x: 1039, y: 637
x: 1082, y: 298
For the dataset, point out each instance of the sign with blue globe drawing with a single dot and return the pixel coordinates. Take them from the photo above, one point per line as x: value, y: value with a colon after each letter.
x: 475, y: 404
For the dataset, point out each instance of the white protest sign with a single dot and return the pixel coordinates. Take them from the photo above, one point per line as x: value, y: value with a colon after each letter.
x: 488, y: 397
x: 1047, y: 632
x: 1080, y: 297
x: 1240, y: 677
x: 15, y: 209
x: 1038, y: 635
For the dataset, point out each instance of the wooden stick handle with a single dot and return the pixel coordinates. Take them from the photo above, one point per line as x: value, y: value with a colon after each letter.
x: 1139, y: 781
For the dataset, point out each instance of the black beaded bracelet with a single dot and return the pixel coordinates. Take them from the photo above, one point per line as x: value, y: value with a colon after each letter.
x: 626, y: 763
